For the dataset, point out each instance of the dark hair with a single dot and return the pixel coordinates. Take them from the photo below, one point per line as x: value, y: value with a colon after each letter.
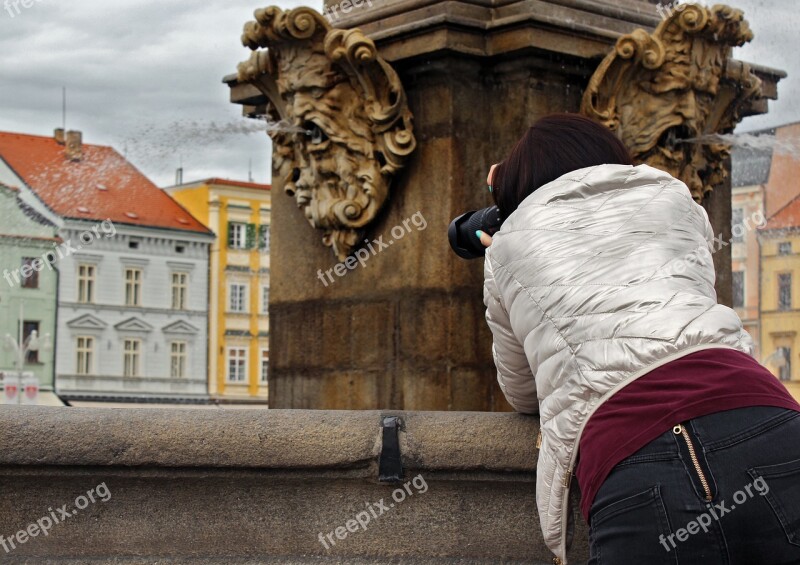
x: 553, y: 146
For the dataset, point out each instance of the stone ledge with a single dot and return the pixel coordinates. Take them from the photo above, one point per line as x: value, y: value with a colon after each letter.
x: 270, y: 439
x: 260, y: 487
x: 267, y: 561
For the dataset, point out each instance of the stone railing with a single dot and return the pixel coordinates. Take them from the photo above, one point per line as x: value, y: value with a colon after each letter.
x: 273, y: 486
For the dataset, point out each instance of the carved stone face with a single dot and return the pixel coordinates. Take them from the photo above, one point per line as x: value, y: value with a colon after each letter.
x: 657, y: 91
x: 679, y: 105
x: 333, y: 172
x: 345, y: 129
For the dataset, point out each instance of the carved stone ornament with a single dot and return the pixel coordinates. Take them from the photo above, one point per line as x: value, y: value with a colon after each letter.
x: 677, y: 84
x: 341, y: 125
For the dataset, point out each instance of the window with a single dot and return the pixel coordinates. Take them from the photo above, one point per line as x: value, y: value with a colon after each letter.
x: 132, y: 358
x: 85, y: 351
x: 737, y: 225
x: 738, y: 289
x: 237, y: 235
x: 265, y: 299
x: 86, y: 283
x: 177, y: 360
x: 785, y: 248
x: 238, y: 297
x: 31, y: 280
x: 237, y: 364
x: 133, y: 245
x: 264, y: 366
x: 785, y: 291
x: 786, y: 368
x: 27, y: 329
x: 179, y: 284
x: 263, y: 238
x: 133, y: 287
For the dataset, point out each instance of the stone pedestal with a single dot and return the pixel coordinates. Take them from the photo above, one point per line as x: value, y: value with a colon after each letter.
x: 407, y: 330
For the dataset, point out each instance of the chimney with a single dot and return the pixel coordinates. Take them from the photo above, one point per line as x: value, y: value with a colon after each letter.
x: 179, y: 177
x: 74, y: 146
x: 59, y: 136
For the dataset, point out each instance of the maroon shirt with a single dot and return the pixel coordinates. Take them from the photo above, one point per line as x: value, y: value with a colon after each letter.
x: 711, y: 380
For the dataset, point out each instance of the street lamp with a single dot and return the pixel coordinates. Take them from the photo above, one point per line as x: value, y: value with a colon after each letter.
x: 22, y: 347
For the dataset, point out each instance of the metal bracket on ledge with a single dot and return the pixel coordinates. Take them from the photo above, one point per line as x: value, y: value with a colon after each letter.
x: 390, y: 464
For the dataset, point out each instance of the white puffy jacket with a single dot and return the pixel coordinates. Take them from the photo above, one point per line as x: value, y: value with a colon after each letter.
x: 596, y: 279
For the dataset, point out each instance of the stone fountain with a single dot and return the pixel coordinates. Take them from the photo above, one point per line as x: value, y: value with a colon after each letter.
x: 384, y: 127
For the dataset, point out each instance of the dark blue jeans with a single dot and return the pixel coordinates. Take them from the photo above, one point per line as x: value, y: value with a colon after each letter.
x: 732, y: 498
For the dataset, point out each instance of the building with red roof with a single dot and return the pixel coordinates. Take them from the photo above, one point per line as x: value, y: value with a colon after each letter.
x: 91, y: 182
x: 133, y: 273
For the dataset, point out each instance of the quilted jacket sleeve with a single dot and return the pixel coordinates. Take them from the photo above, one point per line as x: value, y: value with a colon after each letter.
x: 513, y: 370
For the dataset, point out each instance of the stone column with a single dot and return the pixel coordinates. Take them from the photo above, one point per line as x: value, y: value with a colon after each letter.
x: 407, y: 330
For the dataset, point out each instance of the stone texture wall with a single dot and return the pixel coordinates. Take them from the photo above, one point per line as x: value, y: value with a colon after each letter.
x: 407, y: 331
x: 259, y: 487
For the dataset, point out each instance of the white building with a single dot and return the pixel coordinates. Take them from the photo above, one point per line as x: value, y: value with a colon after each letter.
x: 133, y: 274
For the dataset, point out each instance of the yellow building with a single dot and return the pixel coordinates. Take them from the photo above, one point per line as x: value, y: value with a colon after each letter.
x: 748, y: 216
x: 239, y: 213
x: 780, y: 295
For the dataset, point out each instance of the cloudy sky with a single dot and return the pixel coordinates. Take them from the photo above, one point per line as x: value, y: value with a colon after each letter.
x: 145, y: 77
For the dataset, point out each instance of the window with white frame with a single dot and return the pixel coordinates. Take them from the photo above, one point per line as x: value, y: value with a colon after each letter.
x: 179, y: 288
x: 265, y: 299
x: 85, y: 353
x: 263, y: 238
x: 738, y: 289
x: 86, y: 276
x: 785, y: 291
x: 237, y: 364
x: 177, y: 359
x: 31, y: 280
x: 785, y: 370
x: 737, y: 225
x: 132, y: 358
x: 133, y: 287
x: 264, y: 366
x: 237, y: 235
x: 28, y: 327
x: 237, y: 294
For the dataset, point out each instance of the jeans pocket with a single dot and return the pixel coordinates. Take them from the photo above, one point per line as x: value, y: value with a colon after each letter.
x: 781, y: 487
x: 629, y: 530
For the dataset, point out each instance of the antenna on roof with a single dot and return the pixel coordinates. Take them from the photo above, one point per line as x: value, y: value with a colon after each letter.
x: 250, y: 171
x: 179, y: 172
x: 64, y: 107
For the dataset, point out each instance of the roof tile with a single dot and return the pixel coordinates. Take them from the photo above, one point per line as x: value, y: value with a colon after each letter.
x: 102, y: 185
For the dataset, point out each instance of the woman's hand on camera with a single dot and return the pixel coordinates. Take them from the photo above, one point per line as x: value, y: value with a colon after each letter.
x: 485, y: 238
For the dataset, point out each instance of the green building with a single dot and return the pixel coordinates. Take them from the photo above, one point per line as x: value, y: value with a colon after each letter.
x: 29, y: 254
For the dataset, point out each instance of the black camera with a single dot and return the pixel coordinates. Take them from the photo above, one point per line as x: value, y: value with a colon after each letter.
x: 461, y: 232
